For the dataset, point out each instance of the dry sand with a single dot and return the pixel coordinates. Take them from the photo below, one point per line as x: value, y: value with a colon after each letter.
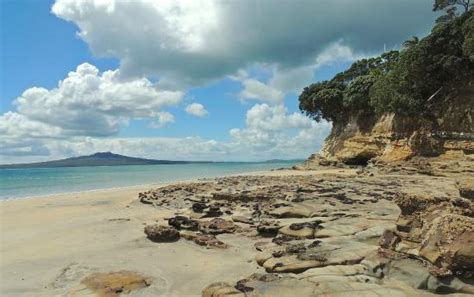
x: 48, y: 244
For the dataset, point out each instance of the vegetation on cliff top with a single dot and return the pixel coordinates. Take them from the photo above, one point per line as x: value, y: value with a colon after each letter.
x: 405, y: 82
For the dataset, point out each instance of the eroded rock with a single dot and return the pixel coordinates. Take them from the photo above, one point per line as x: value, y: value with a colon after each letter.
x: 208, y: 241
x: 333, y: 233
x: 183, y: 223
x: 217, y: 226
x: 159, y: 233
x: 112, y: 284
x: 437, y: 229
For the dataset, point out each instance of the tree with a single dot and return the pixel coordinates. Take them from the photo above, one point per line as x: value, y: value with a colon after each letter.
x: 468, y: 31
x: 357, y: 94
x: 450, y: 5
x: 411, y: 42
x: 323, y: 100
x: 399, y: 82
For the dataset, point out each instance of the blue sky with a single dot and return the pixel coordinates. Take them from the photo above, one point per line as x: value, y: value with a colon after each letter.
x: 240, y: 72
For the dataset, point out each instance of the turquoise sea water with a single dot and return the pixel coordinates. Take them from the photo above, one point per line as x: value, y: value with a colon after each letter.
x: 17, y: 183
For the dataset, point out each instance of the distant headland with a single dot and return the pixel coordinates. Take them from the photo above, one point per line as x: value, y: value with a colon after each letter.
x: 111, y: 159
x: 97, y: 159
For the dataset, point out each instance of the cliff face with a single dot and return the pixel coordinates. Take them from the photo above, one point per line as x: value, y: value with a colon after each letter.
x: 392, y: 138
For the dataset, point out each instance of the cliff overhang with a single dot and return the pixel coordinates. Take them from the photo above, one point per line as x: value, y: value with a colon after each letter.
x: 392, y: 138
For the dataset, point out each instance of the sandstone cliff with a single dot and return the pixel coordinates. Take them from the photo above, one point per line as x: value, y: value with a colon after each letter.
x: 391, y: 138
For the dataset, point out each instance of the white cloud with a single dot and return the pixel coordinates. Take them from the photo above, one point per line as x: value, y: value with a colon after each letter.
x: 268, y: 133
x: 12, y: 123
x: 283, y: 81
x: 336, y: 52
x: 164, y: 118
x: 292, y: 80
x: 256, y: 90
x: 197, y: 109
x: 72, y: 119
x: 271, y: 118
x: 194, y: 42
x: 92, y: 104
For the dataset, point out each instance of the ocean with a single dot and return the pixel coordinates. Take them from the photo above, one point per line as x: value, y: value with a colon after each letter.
x: 28, y: 182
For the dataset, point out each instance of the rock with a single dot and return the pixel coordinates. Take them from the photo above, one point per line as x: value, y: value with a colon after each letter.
x: 214, y: 211
x: 183, y: 223
x: 466, y: 189
x: 160, y: 233
x: 262, y: 245
x: 208, y: 241
x: 112, y: 284
x: 376, y: 264
x: 291, y: 212
x: 242, y: 219
x: 301, y: 256
x: 145, y: 198
x: 463, y: 260
x: 221, y: 289
x: 268, y: 228
x: 371, y: 234
x: 330, y: 286
x: 333, y: 229
x: 217, y: 226
x: 449, y: 285
x: 410, y: 203
x: 393, y: 138
x: 199, y: 207
x: 301, y: 230
x: 449, y: 235
x: 389, y: 239
x: 361, y: 244
x: 439, y: 229
x: 409, y: 271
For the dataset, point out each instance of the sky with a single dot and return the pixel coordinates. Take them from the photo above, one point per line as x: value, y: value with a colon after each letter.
x: 181, y: 80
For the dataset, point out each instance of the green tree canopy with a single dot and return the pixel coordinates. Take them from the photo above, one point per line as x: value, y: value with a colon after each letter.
x: 400, y: 82
x: 451, y: 5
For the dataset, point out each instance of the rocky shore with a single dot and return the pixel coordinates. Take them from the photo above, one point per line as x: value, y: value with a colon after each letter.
x: 401, y: 229
x: 396, y: 231
x: 404, y: 229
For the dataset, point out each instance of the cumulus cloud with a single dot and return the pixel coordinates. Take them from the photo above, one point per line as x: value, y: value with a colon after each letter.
x: 197, y: 109
x: 92, y: 104
x: 193, y: 42
x: 268, y: 132
x: 256, y: 90
x: 85, y: 103
x: 72, y: 119
x: 164, y: 118
x: 280, y: 81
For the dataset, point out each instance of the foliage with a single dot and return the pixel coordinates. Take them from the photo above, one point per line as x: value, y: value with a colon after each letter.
x: 451, y: 5
x: 400, y: 82
x: 411, y: 42
x: 323, y: 100
x: 348, y: 91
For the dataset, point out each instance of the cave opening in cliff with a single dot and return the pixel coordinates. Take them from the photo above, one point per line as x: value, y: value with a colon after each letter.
x: 359, y: 161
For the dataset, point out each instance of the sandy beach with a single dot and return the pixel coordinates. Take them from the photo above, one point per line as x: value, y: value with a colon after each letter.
x: 279, y: 232
x: 100, y: 231
x: 49, y: 243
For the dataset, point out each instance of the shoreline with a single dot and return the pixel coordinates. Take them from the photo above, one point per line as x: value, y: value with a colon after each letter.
x: 4, y: 199
x: 83, y: 192
x: 146, y: 186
